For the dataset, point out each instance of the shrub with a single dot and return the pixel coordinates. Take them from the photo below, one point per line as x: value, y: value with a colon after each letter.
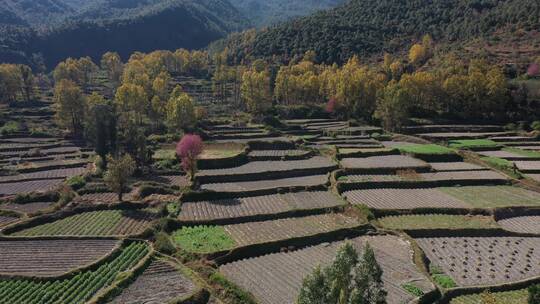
x: 236, y: 294
x: 510, y: 127
x: 534, y: 294
x: 163, y: 244
x: 10, y: 127
x: 413, y: 290
x: 119, y: 171
x: 536, y: 125
x: 76, y: 182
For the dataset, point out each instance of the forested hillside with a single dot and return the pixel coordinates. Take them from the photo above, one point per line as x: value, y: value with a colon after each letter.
x: 71, y: 28
x: 264, y: 12
x: 367, y: 27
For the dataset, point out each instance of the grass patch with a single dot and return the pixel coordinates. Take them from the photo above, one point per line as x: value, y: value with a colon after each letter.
x: 203, y: 239
x: 472, y: 143
x: 76, y: 182
x: 427, y: 149
x: 442, y: 279
x: 415, y: 291
x: 525, y: 153
x: 437, y: 221
x: 221, y: 150
x: 10, y: 127
x: 514, y: 297
x: 494, y: 196
x: 503, y: 165
x: 162, y: 154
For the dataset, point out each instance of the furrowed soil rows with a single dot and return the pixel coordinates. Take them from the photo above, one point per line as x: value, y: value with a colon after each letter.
x: 278, y: 153
x: 528, y: 165
x: 463, y: 175
x: 371, y: 178
x: 393, y: 198
x: 47, y: 258
x: 384, y: 162
x: 94, y: 223
x: 40, y: 175
x: 102, y: 198
x: 522, y: 224
x: 27, y: 207
x: 303, y: 181
x: 494, y: 196
x: 267, y: 231
x: 257, y: 205
x: 75, y: 289
x: 437, y: 221
x: 482, y: 261
x: 456, y: 166
x: 277, y: 277
x: 506, y: 297
x: 274, y: 166
x: 161, y: 282
x: 29, y: 186
x: 6, y: 220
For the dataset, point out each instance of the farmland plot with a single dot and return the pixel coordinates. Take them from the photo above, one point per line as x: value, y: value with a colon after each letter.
x: 277, y: 277
x: 27, y: 207
x: 526, y: 166
x: 463, y: 176
x: 394, y: 198
x: 200, y: 211
x: 263, y: 167
x: 281, y: 229
x: 29, y: 186
x: 437, y: 221
x: 94, y: 223
x: 482, y: 261
x: 77, y: 288
x: 396, y: 162
x: 494, y: 196
x: 43, y: 175
x: 161, y: 282
x: 522, y: 224
x: 47, y: 258
x: 302, y: 181
x: 276, y: 154
x: 6, y: 220
x: 102, y: 197
x: 505, y: 297
x: 456, y: 166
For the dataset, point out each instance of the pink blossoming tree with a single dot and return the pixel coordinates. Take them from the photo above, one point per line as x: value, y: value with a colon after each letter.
x: 533, y: 70
x: 188, y: 150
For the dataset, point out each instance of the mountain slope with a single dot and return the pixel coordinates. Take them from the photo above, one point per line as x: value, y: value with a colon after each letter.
x: 368, y: 27
x: 267, y: 12
x: 77, y: 28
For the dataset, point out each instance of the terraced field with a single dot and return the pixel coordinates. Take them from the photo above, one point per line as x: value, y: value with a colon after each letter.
x: 277, y: 277
x: 27, y: 207
x: 522, y: 224
x: 277, y: 154
x: 482, y: 261
x: 387, y: 162
x: 47, y: 258
x: 494, y: 196
x: 95, y: 223
x: 463, y: 176
x: 455, y: 166
x: 396, y: 198
x: 258, y: 167
x: 6, y: 220
x: 13, y: 188
x: 77, y: 288
x: 438, y: 221
x: 43, y: 175
x: 201, y: 211
x: 282, y: 229
x: 161, y: 282
x: 514, y: 297
x: 302, y: 181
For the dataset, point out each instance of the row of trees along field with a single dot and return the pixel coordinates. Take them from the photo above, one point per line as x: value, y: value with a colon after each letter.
x: 144, y: 97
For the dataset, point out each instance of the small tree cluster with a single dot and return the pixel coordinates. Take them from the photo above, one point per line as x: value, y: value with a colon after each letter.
x: 120, y: 169
x: 188, y: 150
x: 348, y: 280
x: 16, y: 82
